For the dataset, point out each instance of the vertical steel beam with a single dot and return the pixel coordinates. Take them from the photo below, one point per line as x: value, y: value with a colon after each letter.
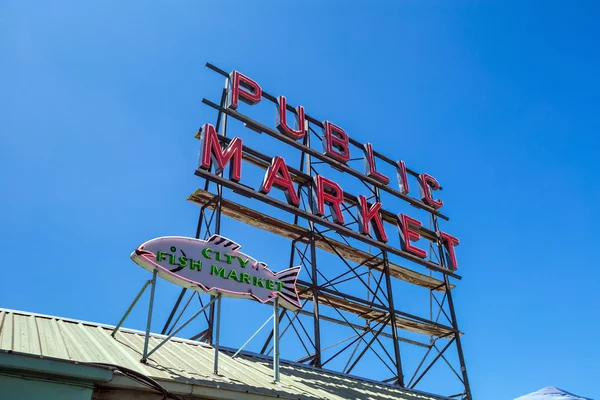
x: 149, y: 321
x: 391, y: 306
x: 223, y: 126
x: 217, y: 333
x: 459, y: 349
x: 316, y: 361
x: 276, y: 340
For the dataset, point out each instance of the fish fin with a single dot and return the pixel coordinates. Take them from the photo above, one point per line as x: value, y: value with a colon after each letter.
x: 288, y: 293
x: 223, y: 242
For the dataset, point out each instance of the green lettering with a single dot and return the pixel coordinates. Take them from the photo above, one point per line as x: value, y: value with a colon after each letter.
x: 217, y: 271
x: 195, y: 265
x: 280, y: 286
x: 258, y: 281
x: 171, y: 259
x: 233, y: 275
x: 229, y: 258
x: 243, y: 263
x: 270, y: 284
x: 245, y: 278
x: 160, y: 256
x: 205, y: 253
x: 183, y: 261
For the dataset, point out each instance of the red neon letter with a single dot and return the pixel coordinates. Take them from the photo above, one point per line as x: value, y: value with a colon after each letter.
x: 212, y: 153
x: 282, y: 125
x: 238, y: 83
x: 278, y: 175
x: 335, y: 145
x: 402, y: 179
x: 372, y: 215
x: 330, y: 192
x: 409, y: 234
x: 428, y: 183
x: 370, y: 165
x: 449, y: 242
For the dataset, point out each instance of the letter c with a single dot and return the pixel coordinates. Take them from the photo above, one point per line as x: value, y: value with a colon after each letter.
x: 206, y: 250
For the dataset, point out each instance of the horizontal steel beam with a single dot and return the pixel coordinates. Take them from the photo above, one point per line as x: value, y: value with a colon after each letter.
x: 374, y: 312
x: 298, y: 233
x: 342, y: 230
x: 356, y: 326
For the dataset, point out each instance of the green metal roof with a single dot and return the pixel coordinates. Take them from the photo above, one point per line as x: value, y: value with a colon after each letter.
x: 183, y: 366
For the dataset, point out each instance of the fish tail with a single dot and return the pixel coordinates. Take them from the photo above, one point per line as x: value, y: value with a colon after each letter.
x: 288, y: 292
x: 220, y: 240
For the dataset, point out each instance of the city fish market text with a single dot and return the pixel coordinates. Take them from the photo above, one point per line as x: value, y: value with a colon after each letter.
x: 216, y: 266
x: 182, y: 262
x: 336, y: 149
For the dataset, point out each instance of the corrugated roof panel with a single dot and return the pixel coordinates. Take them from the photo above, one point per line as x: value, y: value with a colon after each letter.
x: 119, y: 355
x: 52, y: 344
x: 182, y: 361
x: 186, y: 360
x: 288, y: 382
x: 130, y: 346
x: 230, y: 373
x: 80, y: 347
x: 6, y: 331
x: 105, y: 346
x: 25, y: 336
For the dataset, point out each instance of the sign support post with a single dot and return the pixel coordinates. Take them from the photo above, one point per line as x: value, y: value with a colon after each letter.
x: 150, y: 307
x: 176, y: 331
x: 113, y: 333
x: 252, y: 337
x: 217, y: 331
x: 224, y: 278
x: 276, y: 340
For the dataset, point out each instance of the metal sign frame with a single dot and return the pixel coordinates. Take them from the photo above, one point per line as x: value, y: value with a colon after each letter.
x: 374, y: 270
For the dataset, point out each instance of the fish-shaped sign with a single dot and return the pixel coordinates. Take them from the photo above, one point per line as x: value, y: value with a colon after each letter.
x: 216, y: 266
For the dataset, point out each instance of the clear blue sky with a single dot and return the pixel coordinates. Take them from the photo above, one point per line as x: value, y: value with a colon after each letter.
x: 100, y: 100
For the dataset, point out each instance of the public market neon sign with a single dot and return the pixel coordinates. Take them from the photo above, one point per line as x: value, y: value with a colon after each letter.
x: 326, y: 192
